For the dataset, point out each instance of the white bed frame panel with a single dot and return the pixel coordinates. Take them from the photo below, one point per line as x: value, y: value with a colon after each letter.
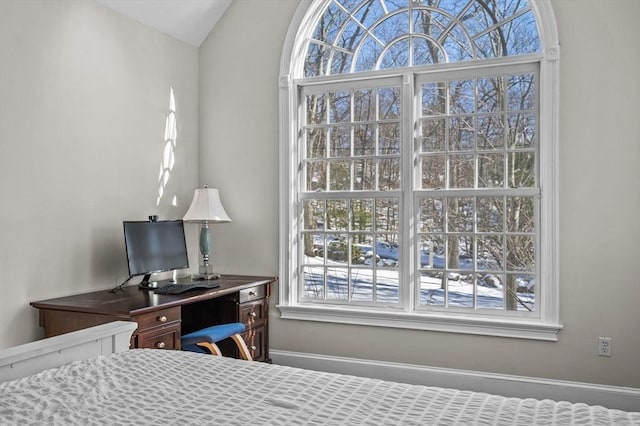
x: 30, y: 358
x: 621, y: 398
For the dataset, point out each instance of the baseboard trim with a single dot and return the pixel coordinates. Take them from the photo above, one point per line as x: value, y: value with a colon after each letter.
x: 621, y: 398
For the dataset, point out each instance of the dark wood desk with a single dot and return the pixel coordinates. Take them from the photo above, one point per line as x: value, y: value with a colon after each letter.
x: 162, y: 319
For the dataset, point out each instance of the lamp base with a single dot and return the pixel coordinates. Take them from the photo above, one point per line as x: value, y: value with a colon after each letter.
x: 205, y: 272
x: 205, y: 277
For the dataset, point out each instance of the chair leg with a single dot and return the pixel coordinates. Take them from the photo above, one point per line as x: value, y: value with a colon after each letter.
x: 211, y: 347
x: 242, y: 347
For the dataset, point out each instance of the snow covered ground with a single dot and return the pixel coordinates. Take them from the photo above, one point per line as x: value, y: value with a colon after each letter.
x: 460, y: 292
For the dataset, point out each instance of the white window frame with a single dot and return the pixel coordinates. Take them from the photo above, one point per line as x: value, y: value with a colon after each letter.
x: 544, y: 327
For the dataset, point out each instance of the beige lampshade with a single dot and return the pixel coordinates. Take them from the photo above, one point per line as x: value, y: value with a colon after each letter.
x: 206, y: 207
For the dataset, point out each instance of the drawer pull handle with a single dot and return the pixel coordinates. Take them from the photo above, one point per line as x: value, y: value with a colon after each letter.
x: 253, y: 315
x: 252, y: 293
x: 253, y: 348
x: 160, y: 345
x: 162, y: 319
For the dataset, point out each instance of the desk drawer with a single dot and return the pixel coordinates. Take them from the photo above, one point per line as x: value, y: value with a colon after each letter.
x: 253, y: 313
x: 252, y: 293
x: 255, y: 340
x: 157, y: 318
x: 160, y: 338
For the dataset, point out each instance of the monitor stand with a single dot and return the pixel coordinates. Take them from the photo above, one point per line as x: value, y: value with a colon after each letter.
x: 146, y: 284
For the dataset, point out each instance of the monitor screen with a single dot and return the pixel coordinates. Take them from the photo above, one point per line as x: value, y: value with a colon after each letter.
x: 155, y: 246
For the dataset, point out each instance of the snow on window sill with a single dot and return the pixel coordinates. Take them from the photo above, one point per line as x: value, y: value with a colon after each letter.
x: 502, y: 327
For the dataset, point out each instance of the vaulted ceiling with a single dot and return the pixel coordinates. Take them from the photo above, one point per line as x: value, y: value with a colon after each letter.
x: 190, y: 21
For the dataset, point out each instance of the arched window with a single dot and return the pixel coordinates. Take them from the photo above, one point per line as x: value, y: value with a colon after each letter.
x: 418, y: 136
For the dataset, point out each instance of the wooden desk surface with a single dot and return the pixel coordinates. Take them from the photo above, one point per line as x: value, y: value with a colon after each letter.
x: 132, y: 300
x: 162, y: 318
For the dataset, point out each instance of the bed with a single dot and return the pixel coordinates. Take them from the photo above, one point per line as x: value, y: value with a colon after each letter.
x: 148, y: 386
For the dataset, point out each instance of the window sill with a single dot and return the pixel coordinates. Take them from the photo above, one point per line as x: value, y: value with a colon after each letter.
x: 512, y: 327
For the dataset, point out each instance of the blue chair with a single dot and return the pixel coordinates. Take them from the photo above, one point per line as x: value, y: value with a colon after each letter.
x: 204, y: 341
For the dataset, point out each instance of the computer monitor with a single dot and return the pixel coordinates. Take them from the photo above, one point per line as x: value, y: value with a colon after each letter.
x: 154, y: 246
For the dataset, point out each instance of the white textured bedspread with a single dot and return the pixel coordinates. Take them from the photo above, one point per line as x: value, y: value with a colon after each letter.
x: 153, y: 387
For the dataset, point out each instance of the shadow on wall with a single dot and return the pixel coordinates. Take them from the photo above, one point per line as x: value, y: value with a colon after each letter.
x: 168, y: 154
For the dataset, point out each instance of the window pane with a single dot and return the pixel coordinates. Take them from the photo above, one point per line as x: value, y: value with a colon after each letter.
x: 521, y: 167
x: 433, y: 171
x: 387, y: 215
x: 338, y: 249
x: 313, y: 245
x: 316, y: 175
x: 339, y: 175
x: 388, y: 103
x: 490, y: 291
x: 520, y: 214
x: 431, y: 215
x: 340, y: 138
x: 461, y: 134
x: 364, y: 140
x: 364, y: 175
x: 336, y: 215
x: 330, y: 23
x: 490, y: 132
x: 490, y: 253
x: 368, y: 55
x: 464, y: 258
x: 522, y: 130
x: 490, y: 94
x: 315, y: 63
x: 387, y: 288
x: 389, y: 138
x: 461, y: 171
x: 460, y: 290
x: 491, y: 170
x: 362, y: 285
x: 426, y: 52
x: 521, y: 92
x: 462, y: 97
x: 432, y: 287
x: 460, y: 214
x: 490, y: 214
x: 389, y: 171
x: 433, y: 135
x: 434, y: 99
x: 316, y: 143
x: 520, y: 253
x: 351, y: 36
x: 521, y: 292
x: 316, y: 109
x: 364, y: 105
x: 341, y: 62
x: 313, y: 213
x: 396, y: 56
x: 340, y: 107
x: 367, y: 14
x: 387, y: 250
x: 337, y: 283
x: 362, y: 249
x: 361, y: 215
x: 392, y: 27
x: 432, y: 251
x: 313, y: 282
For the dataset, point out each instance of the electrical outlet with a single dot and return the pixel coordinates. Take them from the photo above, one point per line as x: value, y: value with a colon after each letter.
x: 604, y: 346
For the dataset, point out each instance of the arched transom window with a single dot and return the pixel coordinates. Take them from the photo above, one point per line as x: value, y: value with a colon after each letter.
x: 356, y: 35
x: 417, y: 139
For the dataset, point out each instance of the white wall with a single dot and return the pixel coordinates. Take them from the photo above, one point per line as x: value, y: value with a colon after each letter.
x: 84, y: 95
x: 600, y: 195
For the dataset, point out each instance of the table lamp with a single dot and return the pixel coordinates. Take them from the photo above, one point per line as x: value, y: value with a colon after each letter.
x: 206, y: 208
